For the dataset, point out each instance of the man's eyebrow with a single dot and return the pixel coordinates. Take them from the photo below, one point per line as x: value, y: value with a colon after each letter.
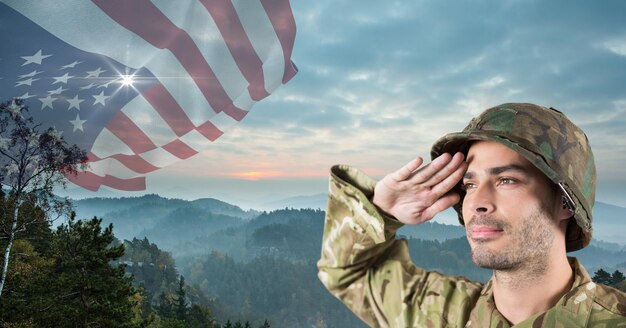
x: 498, y: 170
x: 502, y: 169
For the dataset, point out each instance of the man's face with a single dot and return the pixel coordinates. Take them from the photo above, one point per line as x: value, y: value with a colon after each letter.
x: 509, y: 209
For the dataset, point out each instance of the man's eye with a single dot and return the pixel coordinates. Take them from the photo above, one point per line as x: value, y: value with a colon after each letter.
x: 467, y: 185
x: 505, y: 181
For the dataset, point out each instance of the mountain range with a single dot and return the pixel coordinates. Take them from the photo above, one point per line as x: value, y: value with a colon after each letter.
x: 265, y: 260
x: 132, y: 215
x: 609, y: 221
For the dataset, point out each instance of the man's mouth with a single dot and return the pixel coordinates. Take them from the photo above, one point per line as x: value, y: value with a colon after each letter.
x: 483, y: 233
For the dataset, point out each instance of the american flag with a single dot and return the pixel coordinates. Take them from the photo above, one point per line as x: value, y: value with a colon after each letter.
x: 142, y: 84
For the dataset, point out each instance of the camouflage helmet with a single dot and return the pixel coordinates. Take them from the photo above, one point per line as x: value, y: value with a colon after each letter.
x: 551, y: 142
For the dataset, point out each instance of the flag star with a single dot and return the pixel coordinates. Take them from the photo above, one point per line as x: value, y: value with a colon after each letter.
x: 95, y: 73
x: 100, y: 98
x: 105, y: 85
x: 26, y: 82
x: 35, y: 59
x: 72, y: 65
x: 14, y: 106
x: 47, y: 102
x: 15, y: 109
x: 55, y: 134
x: 75, y: 102
x: 57, y: 91
x: 88, y: 86
x: 25, y: 96
x: 31, y: 74
x: 62, y: 79
x: 77, y: 123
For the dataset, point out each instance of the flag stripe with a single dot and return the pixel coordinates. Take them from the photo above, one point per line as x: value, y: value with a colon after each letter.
x: 263, y: 37
x: 92, y: 182
x: 147, y: 162
x: 240, y: 47
x: 180, y: 149
x: 108, y: 144
x: 148, y: 120
x: 279, y: 12
x: 210, y: 131
x: 146, y: 20
x: 125, y: 129
x: 132, y: 162
x: 201, y: 27
x: 168, y: 109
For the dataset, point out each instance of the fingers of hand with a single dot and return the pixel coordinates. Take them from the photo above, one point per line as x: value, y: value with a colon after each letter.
x: 430, y: 170
x: 441, y: 205
x: 440, y: 169
x: 448, y: 178
x: 406, y: 171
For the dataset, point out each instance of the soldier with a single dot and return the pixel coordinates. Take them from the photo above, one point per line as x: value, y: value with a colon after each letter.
x: 522, y: 179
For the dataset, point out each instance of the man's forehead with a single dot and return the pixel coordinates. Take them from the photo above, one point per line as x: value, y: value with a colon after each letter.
x: 485, y: 155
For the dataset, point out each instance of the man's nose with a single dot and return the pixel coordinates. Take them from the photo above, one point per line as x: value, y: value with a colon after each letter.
x: 481, y: 199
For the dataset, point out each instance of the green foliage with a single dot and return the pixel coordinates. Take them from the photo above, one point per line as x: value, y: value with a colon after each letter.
x: 32, y: 222
x: 33, y: 161
x: 76, y: 285
x: 180, y: 302
x: 95, y: 293
x: 617, y: 277
x: 284, y: 290
x: 137, y: 216
x: 603, y: 277
x: 296, y: 238
x: 150, y: 266
x: 200, y: 316
x: 432, y: 231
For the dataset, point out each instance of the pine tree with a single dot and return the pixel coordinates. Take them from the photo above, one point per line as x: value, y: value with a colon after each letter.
x: 266, y: 324
x: 602, y: 277
x: 164, y: 308
x: 85, y: 288
x: 180, y: 303
x: 199, y: 316
x: 617, y: 277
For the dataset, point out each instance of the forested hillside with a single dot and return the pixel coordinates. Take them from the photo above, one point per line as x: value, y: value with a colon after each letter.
x: 205, y: 264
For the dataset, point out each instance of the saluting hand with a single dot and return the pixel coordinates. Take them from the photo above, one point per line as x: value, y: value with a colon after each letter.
x: 415, y: 194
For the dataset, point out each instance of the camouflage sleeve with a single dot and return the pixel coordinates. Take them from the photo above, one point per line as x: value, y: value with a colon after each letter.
x: 364, y: 266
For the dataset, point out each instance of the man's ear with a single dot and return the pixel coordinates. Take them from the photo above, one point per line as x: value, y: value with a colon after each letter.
x: 564, y: 211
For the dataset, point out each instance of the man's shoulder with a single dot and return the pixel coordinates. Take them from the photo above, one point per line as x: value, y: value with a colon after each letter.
x: 610, y: 299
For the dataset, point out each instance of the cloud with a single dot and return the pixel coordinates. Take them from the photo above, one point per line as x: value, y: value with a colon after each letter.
x: 379, y: 82
x: 616, y: 46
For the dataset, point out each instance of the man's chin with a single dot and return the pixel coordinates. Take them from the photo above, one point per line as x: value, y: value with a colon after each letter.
x: 486, y: 258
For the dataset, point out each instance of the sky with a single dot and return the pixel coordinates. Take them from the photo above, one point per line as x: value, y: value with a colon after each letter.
x: 380, y: 81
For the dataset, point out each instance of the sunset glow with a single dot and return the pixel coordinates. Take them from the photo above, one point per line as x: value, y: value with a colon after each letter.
x: 256, y: 175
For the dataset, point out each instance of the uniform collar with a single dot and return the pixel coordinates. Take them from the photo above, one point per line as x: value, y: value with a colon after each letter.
x: 575, y: 306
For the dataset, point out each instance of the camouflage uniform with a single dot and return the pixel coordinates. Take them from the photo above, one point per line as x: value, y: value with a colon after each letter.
x: 371, y: 272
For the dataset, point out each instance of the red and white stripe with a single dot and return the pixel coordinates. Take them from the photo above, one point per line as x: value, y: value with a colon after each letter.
x: 214, y: 61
